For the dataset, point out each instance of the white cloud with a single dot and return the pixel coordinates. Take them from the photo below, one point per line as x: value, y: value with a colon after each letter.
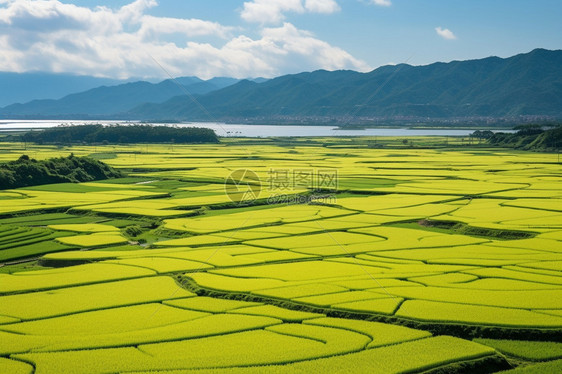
x: 278, y: 50
x: 305, y: 52
x: 445, y: 33
x: 136, y: 9
x: 382, y: 2
x: 272, y: 11
x: 154, y: 26
x: 47, y: 35
x: 321, y: 6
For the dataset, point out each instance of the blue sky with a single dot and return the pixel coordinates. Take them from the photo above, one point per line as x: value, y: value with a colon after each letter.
x: 207, y: 38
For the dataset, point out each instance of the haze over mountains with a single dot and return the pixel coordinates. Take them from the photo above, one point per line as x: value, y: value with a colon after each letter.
x: 107, y: 100
x: 524, y: 85
x: 24, y: 87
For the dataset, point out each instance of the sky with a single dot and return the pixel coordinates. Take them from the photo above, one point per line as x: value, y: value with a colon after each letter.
x: 264, y: 38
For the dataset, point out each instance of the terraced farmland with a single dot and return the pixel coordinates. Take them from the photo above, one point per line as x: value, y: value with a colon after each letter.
x: 343, y: 259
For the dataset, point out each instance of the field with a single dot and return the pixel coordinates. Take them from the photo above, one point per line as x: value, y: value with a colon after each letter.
x: 288, y: 256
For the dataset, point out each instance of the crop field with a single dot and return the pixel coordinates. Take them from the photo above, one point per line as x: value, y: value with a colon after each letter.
x: 288, y: 256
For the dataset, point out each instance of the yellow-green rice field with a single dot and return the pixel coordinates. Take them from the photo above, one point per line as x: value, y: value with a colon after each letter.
x: 288, y: 256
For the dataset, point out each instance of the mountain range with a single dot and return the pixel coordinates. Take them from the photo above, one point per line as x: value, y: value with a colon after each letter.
x: 108, y: 100
x: 24, y: 87
x: 527, y: 84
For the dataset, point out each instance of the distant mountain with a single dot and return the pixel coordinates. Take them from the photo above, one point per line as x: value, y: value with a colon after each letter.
x: 524, y: 85
x: 107, y: 101
x: 24, y: 87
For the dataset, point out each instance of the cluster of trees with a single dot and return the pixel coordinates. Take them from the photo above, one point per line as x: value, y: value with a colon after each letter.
x: 121, y: 134
x: 531, y: 137
x: 482, y: 134
x: 29, y: 172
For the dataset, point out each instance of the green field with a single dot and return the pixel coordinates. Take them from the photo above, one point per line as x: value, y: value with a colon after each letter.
x: 333, y: 257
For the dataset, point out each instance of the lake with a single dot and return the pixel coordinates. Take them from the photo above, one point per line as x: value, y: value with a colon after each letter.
x: 254, y: 131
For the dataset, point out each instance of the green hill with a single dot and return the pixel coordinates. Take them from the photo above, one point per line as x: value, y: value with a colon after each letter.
x: 26, y: 171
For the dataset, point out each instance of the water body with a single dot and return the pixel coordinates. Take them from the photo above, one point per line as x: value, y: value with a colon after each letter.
x: 255, y: 131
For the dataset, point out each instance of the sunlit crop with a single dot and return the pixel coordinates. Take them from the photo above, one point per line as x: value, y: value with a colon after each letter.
x: 163, y: 270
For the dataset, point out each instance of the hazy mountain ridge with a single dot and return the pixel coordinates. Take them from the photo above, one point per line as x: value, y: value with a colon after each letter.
x: 109, y: 100
x: 24, y: 87
x: 523, y: 85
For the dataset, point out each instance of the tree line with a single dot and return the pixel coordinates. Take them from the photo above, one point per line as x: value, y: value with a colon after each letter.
x: 141, y: 133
